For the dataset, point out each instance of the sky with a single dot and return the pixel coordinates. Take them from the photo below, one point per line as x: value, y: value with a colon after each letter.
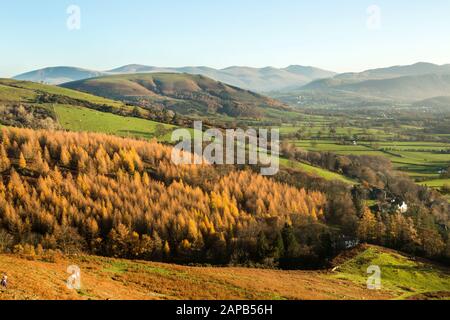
x: 338, y: 35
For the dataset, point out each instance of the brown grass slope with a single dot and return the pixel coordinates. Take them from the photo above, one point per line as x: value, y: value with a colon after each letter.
x: 44, y: 277
x: 182, y: 93
x: 111, y: 279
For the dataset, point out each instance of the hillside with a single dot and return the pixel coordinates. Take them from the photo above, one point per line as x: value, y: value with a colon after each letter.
x: 44, y: 277
x: 183, y: 93
x: 408, y: 88
x: 254, y: 79
x: 417, y: 69
x: 436, y: 102
x: 35, y: 105
x: 12, y: 91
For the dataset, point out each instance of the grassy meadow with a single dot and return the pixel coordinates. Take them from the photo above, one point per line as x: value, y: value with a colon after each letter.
x: 323, y: 173
x: 24, y: 91
x: 405, y: 276
x: 82, y: 119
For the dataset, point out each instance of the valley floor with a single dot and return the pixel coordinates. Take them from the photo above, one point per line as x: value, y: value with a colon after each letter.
x: 111, y: 279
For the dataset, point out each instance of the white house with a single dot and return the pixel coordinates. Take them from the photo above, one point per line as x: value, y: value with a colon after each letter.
x: 403, y: 208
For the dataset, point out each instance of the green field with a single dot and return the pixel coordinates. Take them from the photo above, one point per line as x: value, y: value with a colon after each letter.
x: 83, y: 119
x: 399, y: 274
x: 328, y: 175
x: 436, y: 183
x: 424, y: 163
x: 10, y: 94
x: 12, y: 90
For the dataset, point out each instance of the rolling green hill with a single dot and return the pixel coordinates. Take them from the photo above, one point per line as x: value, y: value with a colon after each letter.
x: 13, y: 91
x: 34, y: 105
x: 183, y: 93
x: 81, y: 119
x: 406, y: 277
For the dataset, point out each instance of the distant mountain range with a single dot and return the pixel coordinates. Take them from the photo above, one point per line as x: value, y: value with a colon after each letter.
x: 407, y: 89
x: 254, y: 79
x: 409, y: 84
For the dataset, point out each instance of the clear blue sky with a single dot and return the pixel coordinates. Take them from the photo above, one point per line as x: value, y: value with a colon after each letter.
x: 329, y: 34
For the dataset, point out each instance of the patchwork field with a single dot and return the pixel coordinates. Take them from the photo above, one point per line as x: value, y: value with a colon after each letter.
x: 425, y: 163
x: 436, y: 183
x: 110, y: 279
x: 422, y: 160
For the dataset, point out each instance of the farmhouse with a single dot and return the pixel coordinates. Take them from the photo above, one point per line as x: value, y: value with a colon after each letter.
x: 403, y: 208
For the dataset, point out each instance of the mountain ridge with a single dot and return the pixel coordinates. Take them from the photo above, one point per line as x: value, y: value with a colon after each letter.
x: 254, y: 79
x: 408, y: 83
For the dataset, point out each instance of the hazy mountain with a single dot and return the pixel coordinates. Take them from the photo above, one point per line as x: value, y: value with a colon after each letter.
x: 408, y: 88
x: 184, y: 93
x: 310, y: 72
x: 58, y: 75
x: 411, y: 83
x: 417, y: 69
x: 254, y: 79
x: 420, y: 68
x: 268, y: 79
x: 137, y: 68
